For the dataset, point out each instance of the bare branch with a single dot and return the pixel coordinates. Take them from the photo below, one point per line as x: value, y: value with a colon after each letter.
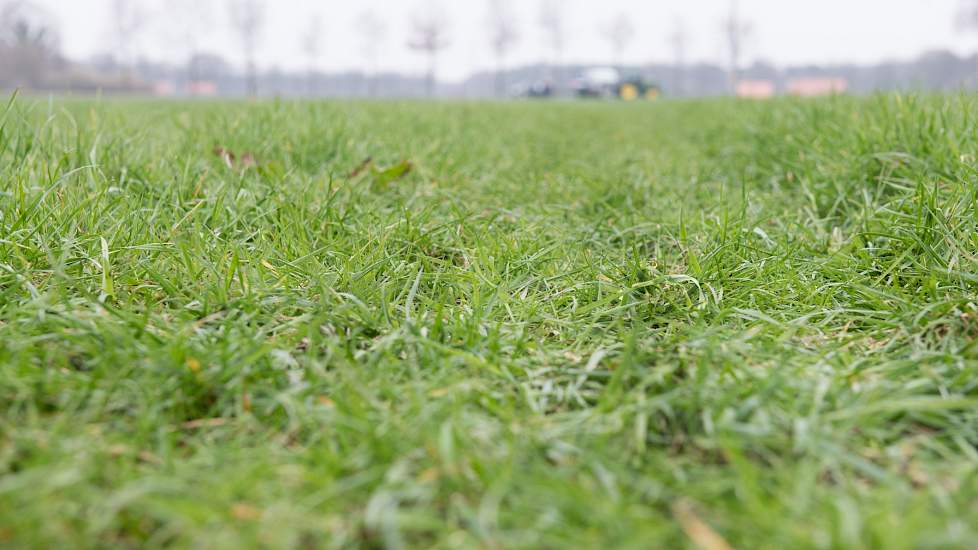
x: 127, y: 19
x: 311, y: 44
x: 552, y: 24
x: 678, y: 41
x: 188, y: 21
x: 620, y: 33
x: 248, y: 20
x: 503, y: 36
x: 967, y: 17
x: 373, y: 33
x: 29, y: 45
x: 429, y: 35
x: 736, y: 32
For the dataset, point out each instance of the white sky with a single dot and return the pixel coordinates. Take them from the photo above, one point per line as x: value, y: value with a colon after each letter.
x: 784, y: 31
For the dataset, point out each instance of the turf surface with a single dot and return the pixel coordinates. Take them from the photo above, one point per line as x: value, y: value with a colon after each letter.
x: 526, y: 325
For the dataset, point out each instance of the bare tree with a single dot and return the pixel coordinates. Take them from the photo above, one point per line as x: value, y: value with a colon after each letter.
x: 247, y: 18
x: 620, y: 33
x: 312, y: 45
x: 735, y: 32
x: 502, y: 37
x: 127, y: 18
x: 678, y: 41
x: 189, y: 20
x: 552, y: 24
x: 28, y: 44
x: 967, y: 18
x: 373, y: 32
x: 429, y: 35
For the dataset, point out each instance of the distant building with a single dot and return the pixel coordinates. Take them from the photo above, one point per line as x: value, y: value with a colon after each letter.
x: 205, y: 88
x: 756, y: 89
x: 817, y: 86
x: 163, y: 88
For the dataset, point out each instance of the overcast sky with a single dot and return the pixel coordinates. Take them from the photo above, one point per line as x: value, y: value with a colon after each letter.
x: 784, y: 31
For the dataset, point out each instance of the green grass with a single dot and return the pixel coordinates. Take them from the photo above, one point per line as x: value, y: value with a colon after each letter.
x: 569, y: 325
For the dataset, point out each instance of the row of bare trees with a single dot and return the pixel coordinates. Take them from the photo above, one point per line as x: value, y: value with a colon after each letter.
x: 29, y: 41
x: 32, y: 44
x: 429, y: 32
x: 29, y: 45
x: 430, y: 36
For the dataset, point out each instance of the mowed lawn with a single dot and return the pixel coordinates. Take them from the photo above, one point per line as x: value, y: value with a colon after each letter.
x: 702, y: 324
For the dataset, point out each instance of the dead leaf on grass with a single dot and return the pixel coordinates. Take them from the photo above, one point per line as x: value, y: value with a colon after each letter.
x: 205, y: 423
x: 225, y: 155
x: 245, y: 512
x: 362, y: 167
x: 150, y: 458
x: 232, y: 161
x: 698, y: 531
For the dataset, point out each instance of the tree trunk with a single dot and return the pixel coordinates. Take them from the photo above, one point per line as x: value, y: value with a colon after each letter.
x: 251, y: 79
x: 500, y: 80
x: 430, y: 78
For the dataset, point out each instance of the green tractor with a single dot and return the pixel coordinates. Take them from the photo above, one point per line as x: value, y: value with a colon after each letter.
x: 636, y: 88
x: 607, y: 83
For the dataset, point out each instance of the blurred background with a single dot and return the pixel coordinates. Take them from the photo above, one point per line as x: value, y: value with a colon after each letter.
x: 621, y: 49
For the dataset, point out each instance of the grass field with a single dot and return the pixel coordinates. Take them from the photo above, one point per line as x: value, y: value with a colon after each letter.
x: 689, y: 324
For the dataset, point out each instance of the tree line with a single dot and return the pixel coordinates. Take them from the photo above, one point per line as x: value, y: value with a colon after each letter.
x: 31, y: 57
